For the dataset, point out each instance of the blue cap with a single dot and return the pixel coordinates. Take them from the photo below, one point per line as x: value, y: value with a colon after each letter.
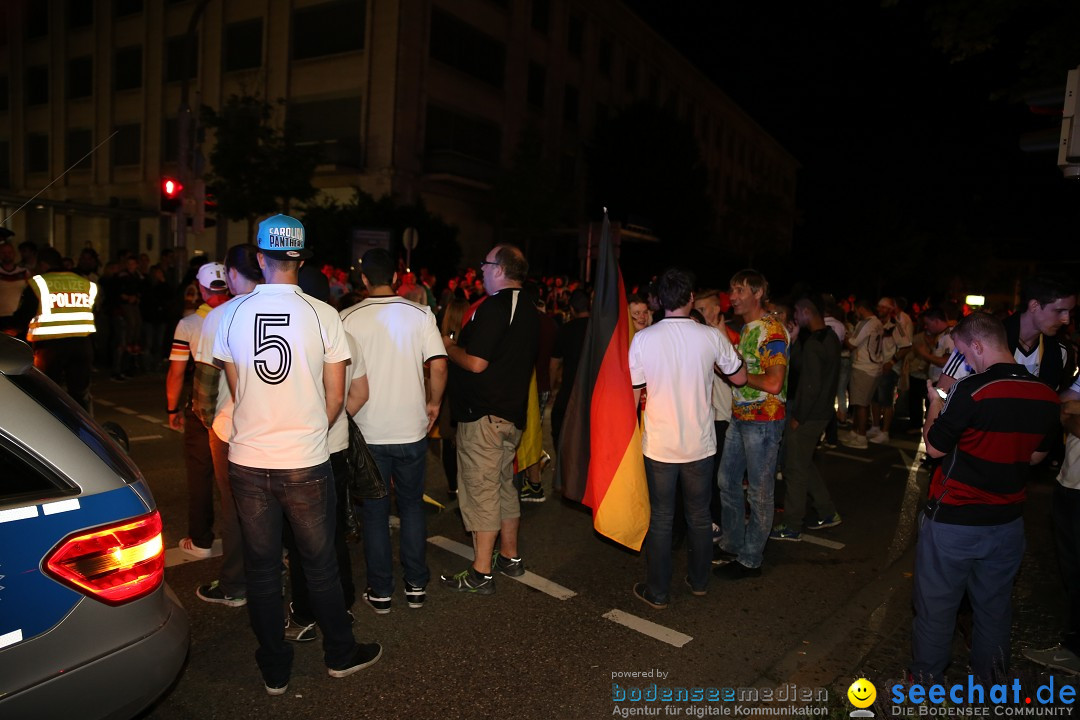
x: 283, y: 238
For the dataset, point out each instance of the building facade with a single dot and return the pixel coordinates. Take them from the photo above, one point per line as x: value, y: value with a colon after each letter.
x: 419, y: 99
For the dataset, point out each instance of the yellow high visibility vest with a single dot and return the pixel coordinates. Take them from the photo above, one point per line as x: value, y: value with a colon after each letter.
x: 65, y: 306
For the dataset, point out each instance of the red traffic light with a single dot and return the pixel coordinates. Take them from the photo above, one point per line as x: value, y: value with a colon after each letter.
x: 170, y: 187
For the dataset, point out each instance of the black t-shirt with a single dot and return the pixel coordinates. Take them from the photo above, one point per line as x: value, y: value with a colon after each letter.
x: 568, y: 345
x: 504, y: 330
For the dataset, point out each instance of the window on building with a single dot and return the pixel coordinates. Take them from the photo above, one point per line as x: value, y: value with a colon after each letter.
x: 332, y: 125
x: 170, y: 139
x: 80, y: 77
x: 77, y: 146
x: 329, y: 28
x: 80, y: 13
x: 464, y: 48
x: 603, y: 56
x: 37, y: 19
x: 127, y: 64
x: 541, y: 16
x: 176, y: 55
x: 126, y: 145
x: 5, y: 164
x: 571, y: 105
x: 127, y: 7
x: 537, y: 85
x: 448, y: 131
x: 4, y: 93
x: 243, y: 45
x: 575, y: 35
x: 37, y: 152
x: 37, y: 85
x: 630, y: 79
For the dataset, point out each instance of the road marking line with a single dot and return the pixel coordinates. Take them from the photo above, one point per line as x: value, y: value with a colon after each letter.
x: 648, y: 627
x: 856, y: 458
x: 61, y: 506
x: 815, y: 540
x: 106, y: 403
x: 906, y: 444
x: 531, y: 579
x: 127, y: 411
x: 140, y: 438
x: 175, y: 556
x: 150, y: 419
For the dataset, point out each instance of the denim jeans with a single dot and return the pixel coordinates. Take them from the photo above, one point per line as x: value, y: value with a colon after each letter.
x: 264, y: 499
x: 406, y: 464
x: 950, y: 559
x: 749, y: 447
x: 696, y: 481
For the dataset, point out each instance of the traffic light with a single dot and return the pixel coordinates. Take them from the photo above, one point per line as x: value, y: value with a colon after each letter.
x: 171, y: 197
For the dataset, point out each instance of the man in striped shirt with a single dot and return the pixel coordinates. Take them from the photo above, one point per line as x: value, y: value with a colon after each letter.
x: 993, y: 426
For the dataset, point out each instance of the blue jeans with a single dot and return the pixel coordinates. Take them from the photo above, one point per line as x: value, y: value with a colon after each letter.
x: 696, y: 480
x: 751, y: 448
x: 406, y: 464
x: 949, y: 560
x: 264, y: 499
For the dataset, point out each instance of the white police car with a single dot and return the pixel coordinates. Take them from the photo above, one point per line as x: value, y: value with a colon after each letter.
x: 88, y: 627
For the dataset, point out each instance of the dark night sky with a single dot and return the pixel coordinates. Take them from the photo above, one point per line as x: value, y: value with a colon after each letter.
x: 910, y: 161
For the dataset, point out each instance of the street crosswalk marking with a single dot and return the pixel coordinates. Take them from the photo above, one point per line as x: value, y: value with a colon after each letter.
x: 531, y: 579
x: 648, y: 627
x: 845, y: 456
x: 127, y: 411
x: 141, y: 438
x: 815, y: 540
x: 150, y: 419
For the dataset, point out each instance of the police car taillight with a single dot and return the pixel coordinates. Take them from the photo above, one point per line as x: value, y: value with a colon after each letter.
x: 114, y: 564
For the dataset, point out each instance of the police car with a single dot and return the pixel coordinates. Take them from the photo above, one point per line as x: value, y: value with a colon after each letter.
x: 88, y: 627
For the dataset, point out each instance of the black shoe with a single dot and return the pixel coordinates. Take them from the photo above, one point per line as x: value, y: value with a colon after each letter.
x: 721, y: 556
x: 511, y: 567
x: 415, y: 595
x: 736, y: 571
x: 642, y: 594
x: 469, y: 581
x: 381, y: 605
x: 364, y: 656
x: 693, y: 591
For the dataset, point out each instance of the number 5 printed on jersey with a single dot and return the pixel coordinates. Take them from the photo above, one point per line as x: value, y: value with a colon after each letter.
x: 271, y: 373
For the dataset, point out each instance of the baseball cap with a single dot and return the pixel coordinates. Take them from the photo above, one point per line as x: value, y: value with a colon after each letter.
x: 212, y: 276
x: 283, y: 238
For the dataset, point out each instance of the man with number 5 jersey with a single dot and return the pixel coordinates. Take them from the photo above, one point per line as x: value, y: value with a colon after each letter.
x: 284, y: 356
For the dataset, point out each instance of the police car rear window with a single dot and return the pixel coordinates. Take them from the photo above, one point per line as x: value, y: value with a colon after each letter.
x: 64, y: 409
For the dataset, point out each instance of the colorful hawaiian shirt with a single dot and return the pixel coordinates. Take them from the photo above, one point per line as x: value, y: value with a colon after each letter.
x: 763, y: 344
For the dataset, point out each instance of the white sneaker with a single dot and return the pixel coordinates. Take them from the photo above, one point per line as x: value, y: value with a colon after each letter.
x: 881, y: 438
x: 194, y: 550
x: 873, y: 432
x: 854, y: 441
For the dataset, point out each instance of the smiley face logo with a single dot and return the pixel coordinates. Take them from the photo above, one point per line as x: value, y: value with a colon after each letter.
x: 862, y: 693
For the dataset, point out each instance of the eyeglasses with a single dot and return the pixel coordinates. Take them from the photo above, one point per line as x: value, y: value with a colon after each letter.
x: 488, y: 262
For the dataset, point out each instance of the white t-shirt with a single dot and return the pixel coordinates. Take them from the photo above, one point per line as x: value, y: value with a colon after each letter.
x: 943, y: 346
x: 396, y: 336
x: 837, y: 326
x: 721, y: 400
x: 957, y: 367
x: 1070, y: 467
x: 204, y: 353
x: 279, y: 338
x: 866, y: 356
x: 186, y: 337
x: 674, y: 359
x: 338, y: 436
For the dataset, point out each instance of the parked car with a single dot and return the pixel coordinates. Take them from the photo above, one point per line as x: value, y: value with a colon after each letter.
x: 88, y: 626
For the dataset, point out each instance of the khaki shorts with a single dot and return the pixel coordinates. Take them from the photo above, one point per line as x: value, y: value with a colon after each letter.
x: 486, y: 492
x: 861, y: 389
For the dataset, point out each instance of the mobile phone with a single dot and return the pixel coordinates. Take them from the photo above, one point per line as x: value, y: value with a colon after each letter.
x: 941, y: 393
x: 452, y: 334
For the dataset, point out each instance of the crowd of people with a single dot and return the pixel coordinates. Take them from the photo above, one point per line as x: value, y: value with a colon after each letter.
x: 737, y: 387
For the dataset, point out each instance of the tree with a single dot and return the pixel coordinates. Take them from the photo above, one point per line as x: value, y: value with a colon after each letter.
x: 257, y: 168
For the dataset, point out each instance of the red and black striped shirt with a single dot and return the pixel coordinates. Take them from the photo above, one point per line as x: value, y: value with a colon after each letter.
x: 990, y: 426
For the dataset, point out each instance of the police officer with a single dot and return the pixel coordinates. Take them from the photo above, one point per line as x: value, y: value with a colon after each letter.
x: 60, y: 306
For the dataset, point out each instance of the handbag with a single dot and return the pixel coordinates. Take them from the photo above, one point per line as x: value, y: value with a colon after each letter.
x: 365, y: 480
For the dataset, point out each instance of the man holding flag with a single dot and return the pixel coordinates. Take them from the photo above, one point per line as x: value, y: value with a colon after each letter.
x: 674, y: 359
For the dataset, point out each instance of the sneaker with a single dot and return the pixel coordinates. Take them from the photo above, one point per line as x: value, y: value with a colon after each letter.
x: 783, y: 532
x: 716, y: 533
x: 213, y: 593
x: 365, y: 655
x: 510, y: 567
x: 381, y: 605
x: 642, y: 594
x: 825, y: 522
x: 736, y: 571
x: 873, y: 432
x: 532, y: 493
x: 415, y: 595
x: 469, y: 581
x: 189, y: 546
x: 882, y: 438
x: 1056, y: 657
x: 276, y: 689
x: 297, y: 631
x: 720, y: 556
x: 853, y: 440
x: 697, y: 593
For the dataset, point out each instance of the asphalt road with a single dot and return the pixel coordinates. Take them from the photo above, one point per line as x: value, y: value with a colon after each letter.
x: 820, y: 614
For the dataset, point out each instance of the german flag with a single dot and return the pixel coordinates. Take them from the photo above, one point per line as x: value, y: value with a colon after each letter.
x: 600, y: 462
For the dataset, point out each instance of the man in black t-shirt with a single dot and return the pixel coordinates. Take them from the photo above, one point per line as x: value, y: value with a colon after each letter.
x: 491, y: 366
